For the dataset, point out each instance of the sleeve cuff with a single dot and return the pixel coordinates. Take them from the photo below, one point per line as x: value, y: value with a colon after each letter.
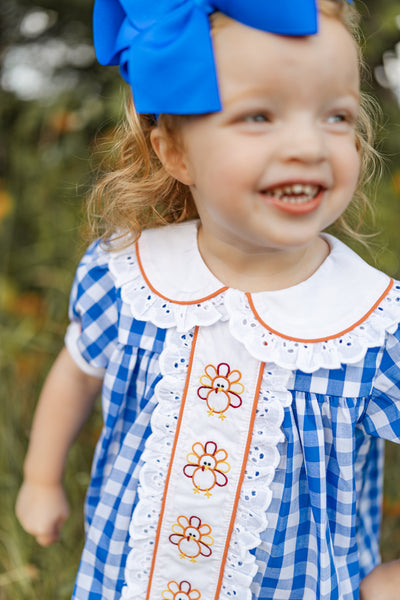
x: 71, y: 342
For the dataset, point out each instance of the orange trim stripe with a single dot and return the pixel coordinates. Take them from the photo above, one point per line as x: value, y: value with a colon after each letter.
x: 178, y: 427
x: 153, y: 289
x: 324, y: 339
x: 240, y: 482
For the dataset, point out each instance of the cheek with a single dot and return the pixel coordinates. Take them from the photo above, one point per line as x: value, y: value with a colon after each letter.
x: 348, y: 164
x: 219, y: 163
x: 214, y: 179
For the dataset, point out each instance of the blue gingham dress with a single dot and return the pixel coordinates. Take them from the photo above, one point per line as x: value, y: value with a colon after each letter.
x: 324, y: 516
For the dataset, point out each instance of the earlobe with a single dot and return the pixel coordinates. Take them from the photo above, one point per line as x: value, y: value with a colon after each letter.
x: 171, y: 156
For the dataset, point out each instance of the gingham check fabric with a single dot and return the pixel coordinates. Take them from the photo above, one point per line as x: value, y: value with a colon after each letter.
x: 325, y: 513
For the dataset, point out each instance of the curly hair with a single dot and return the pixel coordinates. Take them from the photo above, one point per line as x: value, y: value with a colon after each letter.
x: 134, y: 192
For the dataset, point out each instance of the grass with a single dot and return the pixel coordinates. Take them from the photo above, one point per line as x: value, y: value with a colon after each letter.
x: 28, y: 571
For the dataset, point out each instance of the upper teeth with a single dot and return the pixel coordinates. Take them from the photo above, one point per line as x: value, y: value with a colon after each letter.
x: 295, y: 193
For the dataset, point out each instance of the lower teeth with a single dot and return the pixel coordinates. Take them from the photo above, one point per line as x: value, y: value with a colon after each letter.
x: 293, y: 198
x: 296, y: 199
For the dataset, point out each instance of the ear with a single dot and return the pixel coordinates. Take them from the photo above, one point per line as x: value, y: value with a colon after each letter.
x: 171, y: 155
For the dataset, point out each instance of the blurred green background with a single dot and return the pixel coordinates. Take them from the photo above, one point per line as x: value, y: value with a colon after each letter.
x: 56, y: 107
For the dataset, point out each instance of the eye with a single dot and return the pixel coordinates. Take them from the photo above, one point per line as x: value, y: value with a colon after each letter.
x: 338, y: 118
x: 341, y: 118
x: 258, y: 117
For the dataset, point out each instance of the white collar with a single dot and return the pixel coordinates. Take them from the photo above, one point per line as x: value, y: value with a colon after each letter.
x: 330, y: 319
x: 341, y: 293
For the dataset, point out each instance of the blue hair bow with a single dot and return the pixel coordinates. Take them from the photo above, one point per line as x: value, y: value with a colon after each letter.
x: 164, y: 47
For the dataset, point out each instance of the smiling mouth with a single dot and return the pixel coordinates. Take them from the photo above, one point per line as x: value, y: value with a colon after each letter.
x: 297, y: 193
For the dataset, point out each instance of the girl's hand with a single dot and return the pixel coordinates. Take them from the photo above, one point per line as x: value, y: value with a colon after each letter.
x: 42, y: 510
x: 64, y: 405
x: 383, y: 583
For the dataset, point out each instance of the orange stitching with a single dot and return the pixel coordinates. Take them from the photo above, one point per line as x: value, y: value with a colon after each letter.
x: 181, y: 302
x: 178, y: 426
x: 240, y: 482
x: 329, y: 337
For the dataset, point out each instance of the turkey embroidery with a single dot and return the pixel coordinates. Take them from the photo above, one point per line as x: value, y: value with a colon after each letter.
x: 192, y: 538
x: 180, y: 591
x: 206, y: 467
x: 221, y: 389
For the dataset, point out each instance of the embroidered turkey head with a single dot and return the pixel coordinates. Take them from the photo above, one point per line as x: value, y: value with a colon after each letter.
x: 192, y: 537
x: 221, y: 389
x: 180, y: 591
x: 207, y: 467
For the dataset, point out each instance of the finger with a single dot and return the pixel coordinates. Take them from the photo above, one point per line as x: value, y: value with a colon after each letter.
x: 46, y: 539
x: 52, y: 535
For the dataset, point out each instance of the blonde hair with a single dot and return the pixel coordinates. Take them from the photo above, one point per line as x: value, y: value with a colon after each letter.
x: 134, y: 191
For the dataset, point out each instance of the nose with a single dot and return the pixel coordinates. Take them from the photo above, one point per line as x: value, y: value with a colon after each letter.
x: 304, y: 141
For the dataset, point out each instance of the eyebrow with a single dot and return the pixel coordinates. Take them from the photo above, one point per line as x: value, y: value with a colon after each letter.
x: 257, y: 96
x: 356, y: 95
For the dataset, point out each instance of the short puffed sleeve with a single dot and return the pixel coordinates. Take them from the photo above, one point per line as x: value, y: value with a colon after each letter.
x: 92, y: 334
x: 382, y: 414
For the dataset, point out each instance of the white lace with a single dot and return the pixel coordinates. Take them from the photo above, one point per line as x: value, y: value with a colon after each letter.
x: 174, y: 362
x: 146, y: 305
x: 311, y: 356
x: 256, y: 494
x: 264, y: 345
x: 251, y: 519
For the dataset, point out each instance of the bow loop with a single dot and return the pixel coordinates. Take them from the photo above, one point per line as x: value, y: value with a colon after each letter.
x: 164, y: 50
x: 164, y: 47
x: 171, y: 64
x: 117, y: 22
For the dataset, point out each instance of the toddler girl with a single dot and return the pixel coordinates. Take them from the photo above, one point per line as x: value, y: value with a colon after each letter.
x: 249, y: 363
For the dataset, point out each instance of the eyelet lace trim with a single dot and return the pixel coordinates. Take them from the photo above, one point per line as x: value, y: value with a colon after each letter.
x: 256, y: 494
x: 264, y: 345
x: 255, y: 497
x: 174, y: 363
x: 311, y: 356
x: 146, y: 305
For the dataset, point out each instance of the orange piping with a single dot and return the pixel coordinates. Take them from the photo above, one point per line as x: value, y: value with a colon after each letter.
x: 178, y: 427
x: 223, y: 289
x: 239, y: 487
x: 324, y: 339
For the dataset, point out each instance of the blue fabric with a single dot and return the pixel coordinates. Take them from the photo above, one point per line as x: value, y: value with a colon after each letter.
x: 164, y: 47
x: 324, y: 516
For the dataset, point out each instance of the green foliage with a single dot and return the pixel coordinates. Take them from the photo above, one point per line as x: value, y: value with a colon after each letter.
x: 44, y: 175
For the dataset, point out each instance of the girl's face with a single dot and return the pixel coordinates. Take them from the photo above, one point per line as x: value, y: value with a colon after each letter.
x: 279, y: 164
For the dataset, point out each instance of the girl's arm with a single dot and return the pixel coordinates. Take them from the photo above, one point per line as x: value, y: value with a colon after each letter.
x: 383, y: 583
x: 65, y: 403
